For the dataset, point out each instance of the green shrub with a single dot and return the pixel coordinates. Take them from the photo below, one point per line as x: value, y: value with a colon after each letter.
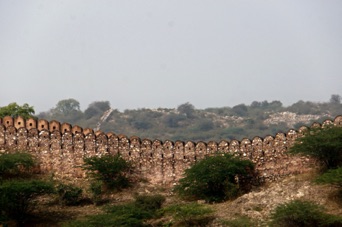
x: 106, y: 220
x: 96, y: 191
x: 111, y: 170
x: 242, y: 221
x: 15, y: 164
x: 69, y: 194
x: 191, y: 214
x: 149, y: 202
x: 214, y: 178
x: 16, y: 196
x: 131, y: 214
x: 332, y: 176
x: 324, y: 144
x: 299, y: 213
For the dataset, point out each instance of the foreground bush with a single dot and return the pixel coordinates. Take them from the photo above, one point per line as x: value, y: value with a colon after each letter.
x: 69, y: 194
x: 17, y: 196
x: 15, y: 165
x: 191, y: 214
x: 299, y: 213
x: 332, y: 176
x: 324, y: 144
x: 214, y: 179
x: 111, y: 170
x: 242, y: 221
x: 132, y: 214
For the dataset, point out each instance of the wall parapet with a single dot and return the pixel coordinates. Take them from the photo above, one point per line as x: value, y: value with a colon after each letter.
x: 61, y: 148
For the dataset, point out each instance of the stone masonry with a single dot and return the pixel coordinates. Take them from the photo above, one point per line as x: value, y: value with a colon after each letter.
x: 60, y: 149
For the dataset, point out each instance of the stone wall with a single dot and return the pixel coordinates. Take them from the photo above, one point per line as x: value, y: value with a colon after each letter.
x: 60, y: 149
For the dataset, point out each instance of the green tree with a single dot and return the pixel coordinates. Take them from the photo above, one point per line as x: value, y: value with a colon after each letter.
x: 302, y: 107
x: 17, y: 193
x: 67, y: 110
x: 67, y: 106
x: 187, y: 109
x: 324, y: 144
x: 14, y: 110
x: 14, y: 164
x: 335, y: 99
x: 214, y: 178
x: 111, y: 170
x: 96, y: 108
x: 17, y: 196
x: 240, y: 110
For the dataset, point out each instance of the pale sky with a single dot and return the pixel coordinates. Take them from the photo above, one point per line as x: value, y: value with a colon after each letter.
x: 163, y: 53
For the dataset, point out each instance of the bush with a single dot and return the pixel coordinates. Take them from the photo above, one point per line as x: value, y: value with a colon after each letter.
x: 214, y: 178
x: 16, y: 196
x: 16, y: 193
x: 111, y: 170
x: 192, y: 214
x: 13, y: 165
x: 131, y: 214
x: 242, y: 221
x: 332, y: 176
x: 69, y: 194
x: 149, y: 202
x: 324, y: 144
x: 96, y: 191
x: 299, y: 213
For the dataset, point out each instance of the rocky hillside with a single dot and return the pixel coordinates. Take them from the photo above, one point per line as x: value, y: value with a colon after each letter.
x: 188, y: 123
x: 259, y: 203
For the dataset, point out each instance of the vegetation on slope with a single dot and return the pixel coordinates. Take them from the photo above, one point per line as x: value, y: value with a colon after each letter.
x: 188, y: 123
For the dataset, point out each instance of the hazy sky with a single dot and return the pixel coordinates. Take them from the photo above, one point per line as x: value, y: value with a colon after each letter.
x: 159, y: 53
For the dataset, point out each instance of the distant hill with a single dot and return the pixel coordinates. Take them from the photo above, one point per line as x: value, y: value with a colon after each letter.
x: 188, y: 123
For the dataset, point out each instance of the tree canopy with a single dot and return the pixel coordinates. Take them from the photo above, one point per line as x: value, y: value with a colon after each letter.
x: 214, y: 178
x: 324, y: 144
x: 14, y: 110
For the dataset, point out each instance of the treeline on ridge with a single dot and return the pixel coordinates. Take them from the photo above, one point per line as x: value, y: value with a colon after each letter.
x: 188, y: 123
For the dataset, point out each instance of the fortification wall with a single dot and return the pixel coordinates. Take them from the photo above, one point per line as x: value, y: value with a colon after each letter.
x: 60, y: 149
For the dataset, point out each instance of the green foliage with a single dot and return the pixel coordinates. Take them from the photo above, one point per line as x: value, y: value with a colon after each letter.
x: 242, y: 221
x: 67, y: 110
x: 324, y: 144
x: 14, y: 110
x: 213, y: 178
x: 107, y: 220
x: 14, y: 164
x: 335, y: 99
x: 191, y: 214
x: 16, y: 196
x: 69, y: 194
x: 131, y: 214
x: 187, y: 109
x: 96, y: 109
x: 111, y: 170
x: 67, y: 106
x: 96, y: 191
x: 149, y: 202
x: 187, y: 123
x: 240, y: 110
x: 300, y: 213
x: 173, y: 120
x: 332, y: 176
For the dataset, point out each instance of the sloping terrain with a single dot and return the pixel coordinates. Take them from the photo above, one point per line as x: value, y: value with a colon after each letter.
x: 255, y: 205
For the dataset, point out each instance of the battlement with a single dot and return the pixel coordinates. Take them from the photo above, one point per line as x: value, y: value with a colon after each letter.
x: 61, y: 147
